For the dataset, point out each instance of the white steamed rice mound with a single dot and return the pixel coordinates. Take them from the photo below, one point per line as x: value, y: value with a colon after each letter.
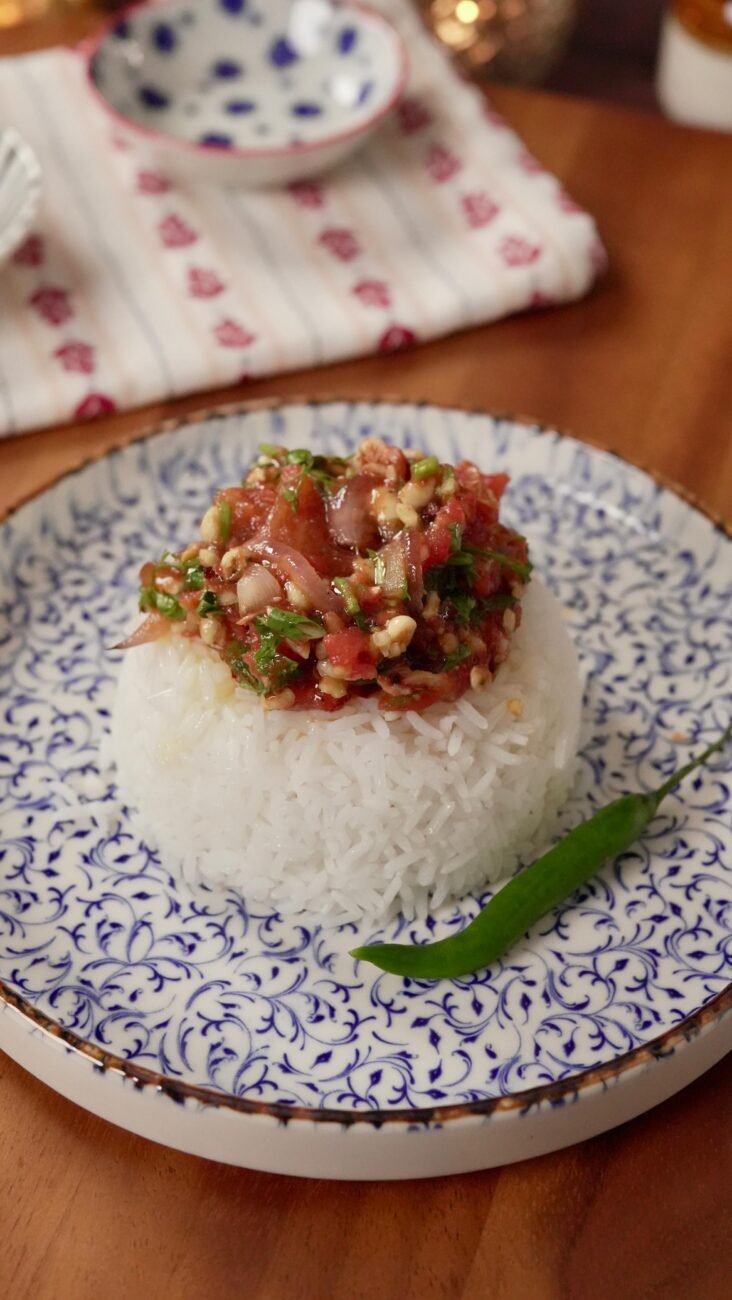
x: 352, y: 814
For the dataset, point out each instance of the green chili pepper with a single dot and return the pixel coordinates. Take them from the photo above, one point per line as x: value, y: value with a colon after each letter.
x: 224, y: 511
x: 194, y: 579
x: 426, y: 468
x: 350, y: 602
x: 209, y: 605
x: 532, y: 893
x: 151, y: 598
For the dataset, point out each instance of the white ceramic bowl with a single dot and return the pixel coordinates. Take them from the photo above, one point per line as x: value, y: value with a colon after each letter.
x: 248, y: 92
x: 20, y: 190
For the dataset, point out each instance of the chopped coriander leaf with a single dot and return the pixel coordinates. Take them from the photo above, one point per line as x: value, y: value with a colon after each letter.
x: 282, y: 625
x: 497, y: 602
x: 209, y: 605
x: 464, y: 607
x: 299, y: 456
x: 235, y: 659
x: 292, y: 495
x: 281, y: 670
x: 460, y: 560
x: 289, y: 626
x: 268, y: 449
x: 224, y: 512
x: 446, y: 578
x: 516, y: 566
x: 316, y: 468
x: 147, y: 599
x: 322, y: 480
x: 264, y: 655
x: 426, y: 468
x: 463, y: 652
x: 456, y: 538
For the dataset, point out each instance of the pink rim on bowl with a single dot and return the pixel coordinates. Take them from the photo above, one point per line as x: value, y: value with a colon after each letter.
x: 90, y: 48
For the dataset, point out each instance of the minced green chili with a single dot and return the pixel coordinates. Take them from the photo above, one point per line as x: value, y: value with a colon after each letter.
x: 534, y: 892
x: 426, y: 468
x: 224, y: 513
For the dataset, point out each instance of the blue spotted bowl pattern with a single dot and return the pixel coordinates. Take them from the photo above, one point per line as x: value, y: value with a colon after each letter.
x: 98, y: 935
x: 250, y: 76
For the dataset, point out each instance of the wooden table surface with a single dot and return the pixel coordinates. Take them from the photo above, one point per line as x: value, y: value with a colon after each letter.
x: 643, y: 366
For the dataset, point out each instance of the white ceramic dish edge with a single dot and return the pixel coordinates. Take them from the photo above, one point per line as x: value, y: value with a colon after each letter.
x: 363, y: 1149
x: 27, y: 178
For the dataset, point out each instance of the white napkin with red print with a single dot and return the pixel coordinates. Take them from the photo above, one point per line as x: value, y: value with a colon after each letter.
x: 132, y: 289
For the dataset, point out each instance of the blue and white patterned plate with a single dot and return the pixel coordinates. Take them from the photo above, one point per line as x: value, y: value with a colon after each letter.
x: 249, y: 92
x: 124, y: 988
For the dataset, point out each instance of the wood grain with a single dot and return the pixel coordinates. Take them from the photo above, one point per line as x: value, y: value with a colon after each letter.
x: 644, y: 1213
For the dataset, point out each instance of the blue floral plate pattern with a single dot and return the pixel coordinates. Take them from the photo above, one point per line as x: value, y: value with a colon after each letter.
x: 97, y: 936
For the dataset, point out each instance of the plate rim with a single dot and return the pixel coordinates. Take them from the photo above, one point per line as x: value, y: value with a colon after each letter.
x: 553, y: 1094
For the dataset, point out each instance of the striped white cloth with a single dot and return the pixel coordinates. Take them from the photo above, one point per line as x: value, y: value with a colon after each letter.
x: 131, y: 289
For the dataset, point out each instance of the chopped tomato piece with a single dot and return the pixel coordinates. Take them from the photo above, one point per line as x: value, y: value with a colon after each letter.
x: 299, y: 520
x: 439, y: 537
x: 351, y: 651
x: 395, y: 577
x: 250, y: 509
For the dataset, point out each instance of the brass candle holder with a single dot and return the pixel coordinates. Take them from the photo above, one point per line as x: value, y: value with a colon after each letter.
x: 504, y: 40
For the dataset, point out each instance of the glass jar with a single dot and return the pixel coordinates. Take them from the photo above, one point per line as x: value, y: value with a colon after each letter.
x: 694, y: 76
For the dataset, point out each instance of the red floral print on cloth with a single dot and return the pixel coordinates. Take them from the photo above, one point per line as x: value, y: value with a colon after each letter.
x: 307, y: 194
x: 230, y: 334
x: 204, y: 284
x: 566, y: 203
x: 76, y: 356
x: 442, y: 164
x: 598, y: 257
x: 396, y: 337
x: 413, y: 115
x: 32, y: 252
x: 175, y: 232
x: 52, y: 304
x: 372, y: 293
x: 528, y: 163
x: 149, y: 182
x: 93, y: 405
x: 479, y: 209
x: 341, y: 243
x: 517, y: 251
x: 495, y: 118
